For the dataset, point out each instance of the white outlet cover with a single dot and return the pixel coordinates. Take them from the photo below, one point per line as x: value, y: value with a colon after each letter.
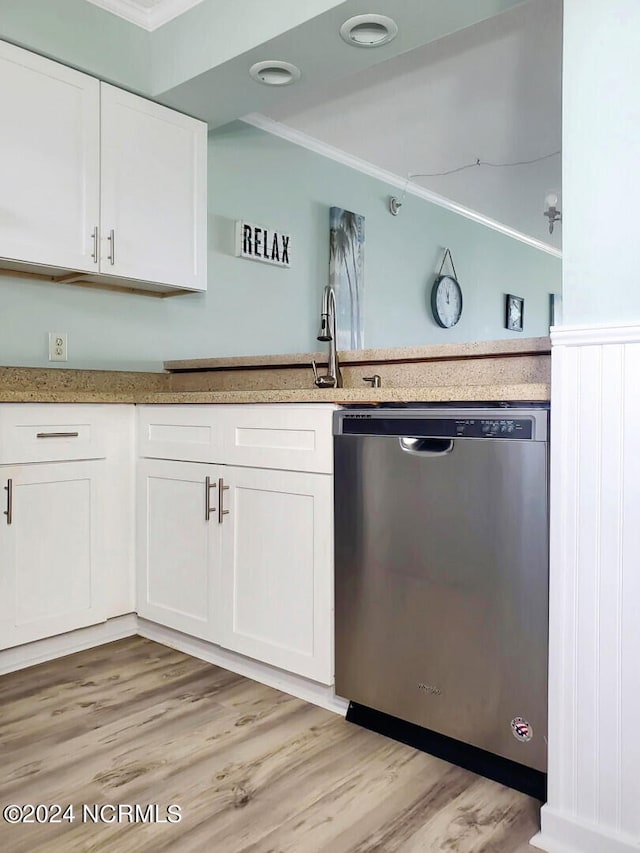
x: 57, y: 346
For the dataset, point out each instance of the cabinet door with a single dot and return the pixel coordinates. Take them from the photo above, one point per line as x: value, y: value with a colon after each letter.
x: 178, y: 545
x: 154, y: 185
x: 49, y: 161
x: 51, y: 571
x: 277, y: 569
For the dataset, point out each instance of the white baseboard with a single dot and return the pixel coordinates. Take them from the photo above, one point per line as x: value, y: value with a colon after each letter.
x: 563, y: 834
x: 40, y: 651
x: 131, y: 625
x: 295, y: 685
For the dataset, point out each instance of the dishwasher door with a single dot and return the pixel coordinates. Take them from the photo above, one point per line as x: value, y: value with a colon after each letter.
x: 441, y: 592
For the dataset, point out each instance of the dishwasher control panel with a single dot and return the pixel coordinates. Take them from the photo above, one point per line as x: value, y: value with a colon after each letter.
x: 496, y: 428
x: 514, y: 428
x: 414, y: 423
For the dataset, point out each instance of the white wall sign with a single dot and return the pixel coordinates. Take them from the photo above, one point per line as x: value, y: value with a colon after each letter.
x: 262, y: 244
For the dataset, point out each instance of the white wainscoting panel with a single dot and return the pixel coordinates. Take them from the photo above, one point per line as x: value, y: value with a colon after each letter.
x: 594, y: 669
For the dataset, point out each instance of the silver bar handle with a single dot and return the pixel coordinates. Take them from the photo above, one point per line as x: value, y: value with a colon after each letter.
x: 57, y: 434
x: 112, y: 249
x: 9, y: 510
x: 221, y: 510
x: 208, y: 509
x: 94, y: 237
x: 426, y: 446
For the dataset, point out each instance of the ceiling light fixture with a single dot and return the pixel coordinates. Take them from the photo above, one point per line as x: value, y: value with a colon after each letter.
x: 369, y: 30
x: 274, y: 72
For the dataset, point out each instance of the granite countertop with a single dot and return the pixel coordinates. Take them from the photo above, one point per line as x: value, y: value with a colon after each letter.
x: 476, y: 349
x: 47, y: 385
x: 531, y: 392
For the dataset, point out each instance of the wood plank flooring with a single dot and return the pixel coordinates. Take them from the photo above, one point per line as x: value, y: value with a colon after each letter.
x: 252, y: 769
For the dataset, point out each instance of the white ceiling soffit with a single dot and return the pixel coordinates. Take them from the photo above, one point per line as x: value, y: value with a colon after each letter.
x: 148, y: 14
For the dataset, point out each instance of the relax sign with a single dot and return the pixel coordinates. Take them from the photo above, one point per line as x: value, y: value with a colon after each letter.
x: 262, y: 244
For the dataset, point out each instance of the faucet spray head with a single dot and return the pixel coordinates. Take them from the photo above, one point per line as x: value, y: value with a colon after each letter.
x: 328, y: 297
x: 325, y: 328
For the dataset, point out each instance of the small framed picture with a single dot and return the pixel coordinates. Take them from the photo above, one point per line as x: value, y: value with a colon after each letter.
x: 514, y: 316
x: 555, y: 309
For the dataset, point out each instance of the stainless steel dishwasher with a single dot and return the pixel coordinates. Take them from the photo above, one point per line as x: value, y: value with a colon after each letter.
x: 441, y: 561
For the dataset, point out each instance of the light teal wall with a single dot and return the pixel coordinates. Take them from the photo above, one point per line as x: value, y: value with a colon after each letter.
x: 81, y: 35
x: 601, y: 157
x: 253, y: 308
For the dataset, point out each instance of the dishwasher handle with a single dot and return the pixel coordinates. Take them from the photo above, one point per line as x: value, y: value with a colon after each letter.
x: 426, y: 446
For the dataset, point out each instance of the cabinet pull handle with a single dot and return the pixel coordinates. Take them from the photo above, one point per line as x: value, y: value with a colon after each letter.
x: 94, y: 237
x: 57, y: 434
x: 112, y: 250
x: 9, y: 510
x: 221, y: 510
x: 208, y: 509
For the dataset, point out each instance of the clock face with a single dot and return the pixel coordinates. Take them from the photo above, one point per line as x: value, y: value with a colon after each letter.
x: 446, y: 301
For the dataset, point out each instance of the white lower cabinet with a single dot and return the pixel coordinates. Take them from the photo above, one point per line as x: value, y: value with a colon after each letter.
x: 255, y: 573
x: 50, y: 550
x: 178, y: 546
x: 277, y: 576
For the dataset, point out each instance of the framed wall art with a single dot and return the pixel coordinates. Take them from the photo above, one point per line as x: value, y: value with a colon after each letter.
x: 514, y: 313
x: 346, y: 276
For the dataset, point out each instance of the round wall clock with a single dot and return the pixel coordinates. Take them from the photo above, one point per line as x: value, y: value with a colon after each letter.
x: 446, y: 301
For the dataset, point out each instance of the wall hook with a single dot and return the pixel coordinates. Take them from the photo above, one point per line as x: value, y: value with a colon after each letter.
x: 394, y: 205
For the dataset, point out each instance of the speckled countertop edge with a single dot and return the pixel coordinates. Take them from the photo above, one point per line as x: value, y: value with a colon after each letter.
x: 476, y: 349
x: 530, y: 392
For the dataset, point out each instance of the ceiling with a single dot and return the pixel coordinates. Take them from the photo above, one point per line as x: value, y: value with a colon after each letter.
x: 148, y: 14
x: 491, y: 91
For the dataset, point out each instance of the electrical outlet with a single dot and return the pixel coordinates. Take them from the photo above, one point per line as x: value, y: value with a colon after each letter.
x: 57, y: 346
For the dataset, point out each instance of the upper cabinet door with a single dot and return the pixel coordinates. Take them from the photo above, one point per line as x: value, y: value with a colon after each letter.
x: 154, y: 192
x: 49, y: 161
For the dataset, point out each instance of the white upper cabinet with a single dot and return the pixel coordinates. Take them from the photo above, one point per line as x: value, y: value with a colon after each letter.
x: 153, y: 203
x: 49, y: 161
x: 98, y: 181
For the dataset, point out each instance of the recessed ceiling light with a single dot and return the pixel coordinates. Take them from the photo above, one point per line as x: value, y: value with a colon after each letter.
x: 273, y: 72
x: 369, y: 30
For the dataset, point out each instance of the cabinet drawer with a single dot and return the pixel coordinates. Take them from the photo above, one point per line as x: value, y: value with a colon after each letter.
x: 50, y: 433
x: 184, y: 433
x: 291, y: 437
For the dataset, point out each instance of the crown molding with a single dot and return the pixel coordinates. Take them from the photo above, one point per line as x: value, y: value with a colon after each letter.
x: 147, y: 18
x: 297, y: 137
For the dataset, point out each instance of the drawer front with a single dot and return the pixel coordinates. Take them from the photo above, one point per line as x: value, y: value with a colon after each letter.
x: 186, y: 433
x: 290, y: 437
x: 54, y: 432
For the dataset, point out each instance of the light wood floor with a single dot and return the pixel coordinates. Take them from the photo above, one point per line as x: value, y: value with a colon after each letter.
x: 252, y: 769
